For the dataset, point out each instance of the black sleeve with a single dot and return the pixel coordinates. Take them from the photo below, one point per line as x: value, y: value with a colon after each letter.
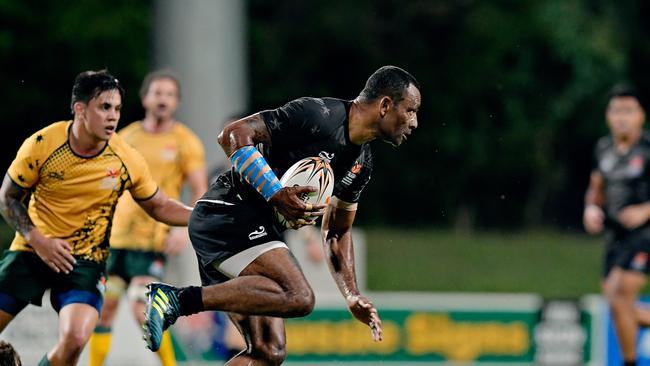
x: 359, y: 179
x: 297, y: 120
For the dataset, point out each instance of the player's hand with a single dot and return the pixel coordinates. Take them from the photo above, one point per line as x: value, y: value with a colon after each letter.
x: 56, y: 253
x: 593, y: 219
x: 633, y: 216
x: 176, y: 240
x: 364, y: 311
x: 288, y: 202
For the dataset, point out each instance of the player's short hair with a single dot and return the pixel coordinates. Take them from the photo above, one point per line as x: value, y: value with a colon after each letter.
x: 89, y: 84
x: 8, y: 355
x: 157, y: 75
x: 390, y: 81
x: 624, y: 90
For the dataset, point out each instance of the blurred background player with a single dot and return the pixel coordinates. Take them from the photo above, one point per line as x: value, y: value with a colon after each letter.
x: 75, y: 171
x: 618, y: 203
x: 139, y: 244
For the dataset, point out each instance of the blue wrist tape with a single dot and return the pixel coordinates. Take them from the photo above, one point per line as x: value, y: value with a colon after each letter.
x: 252, y: 166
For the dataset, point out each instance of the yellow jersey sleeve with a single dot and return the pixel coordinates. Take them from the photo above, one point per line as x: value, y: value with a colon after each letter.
x: 191, y: 151
x: 34, y: 151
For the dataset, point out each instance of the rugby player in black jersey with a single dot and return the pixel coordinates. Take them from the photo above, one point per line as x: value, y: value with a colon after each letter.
x: 245, y: 267
x: 617, y: 203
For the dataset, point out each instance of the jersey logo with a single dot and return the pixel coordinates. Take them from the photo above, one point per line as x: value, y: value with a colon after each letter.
x: 326, y: 156
x: 256, y: 234
x: 639, y: 262
x: 110, y: 181
x: 635, y: 166
x: 168, y: 153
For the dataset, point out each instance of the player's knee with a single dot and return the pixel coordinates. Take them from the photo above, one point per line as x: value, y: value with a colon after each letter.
x: 73, y: 342
x: 301, y: 302
x: 273, y: 353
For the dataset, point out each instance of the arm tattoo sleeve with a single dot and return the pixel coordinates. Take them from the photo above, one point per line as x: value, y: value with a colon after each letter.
x: 12, y: 206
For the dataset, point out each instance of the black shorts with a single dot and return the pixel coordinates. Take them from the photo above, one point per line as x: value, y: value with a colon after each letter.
x: 127, y: 263
x: 627, y: 250
x: 24, y: 277
x: 226, y: 222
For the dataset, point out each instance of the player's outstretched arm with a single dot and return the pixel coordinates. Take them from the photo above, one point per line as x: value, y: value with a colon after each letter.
x: 167, y: 210
x: 339, y: 252
x: 56, y: 253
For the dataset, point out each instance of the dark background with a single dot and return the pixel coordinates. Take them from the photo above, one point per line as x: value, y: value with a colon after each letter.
x: 513, y: 91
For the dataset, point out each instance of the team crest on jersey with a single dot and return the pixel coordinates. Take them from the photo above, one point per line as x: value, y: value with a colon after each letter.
x: 169, y: 152
x: 640, y: 261
x: 635, y: 165
x: 110, y: 180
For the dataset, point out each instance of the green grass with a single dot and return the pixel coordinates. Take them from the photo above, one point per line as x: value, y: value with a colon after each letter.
x: 548, y: 263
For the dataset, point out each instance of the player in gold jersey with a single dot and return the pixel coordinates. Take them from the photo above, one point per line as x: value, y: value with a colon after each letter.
x: 138, y: 243
x: 75, y: 171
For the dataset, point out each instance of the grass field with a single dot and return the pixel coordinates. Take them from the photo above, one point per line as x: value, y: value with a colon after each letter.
x: 552, y: 264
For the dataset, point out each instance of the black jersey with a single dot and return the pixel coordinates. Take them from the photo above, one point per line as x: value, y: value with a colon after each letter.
x: 308, y: 127
x: 626, y: 176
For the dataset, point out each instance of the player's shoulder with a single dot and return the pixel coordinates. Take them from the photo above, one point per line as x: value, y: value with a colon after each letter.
x: 52, y: 135
x: 121, y: 147
x: 604, y: 143
x: 182, y: 131
x: 130, y: 129
x: 645, y: 139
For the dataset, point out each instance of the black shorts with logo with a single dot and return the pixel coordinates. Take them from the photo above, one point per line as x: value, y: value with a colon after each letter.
x: 628, y: 250
x: 227, y: 221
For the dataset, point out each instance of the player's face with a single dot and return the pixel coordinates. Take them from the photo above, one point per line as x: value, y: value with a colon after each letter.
x: 161, y: 99
x: 100, y: 116
x: 402, y: 119
x: 625, y: 116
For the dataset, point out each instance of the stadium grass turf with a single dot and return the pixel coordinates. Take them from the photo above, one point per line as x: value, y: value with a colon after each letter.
x: 552, y: 264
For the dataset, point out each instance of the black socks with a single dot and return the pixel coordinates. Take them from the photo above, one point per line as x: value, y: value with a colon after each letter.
x: 190, y: 300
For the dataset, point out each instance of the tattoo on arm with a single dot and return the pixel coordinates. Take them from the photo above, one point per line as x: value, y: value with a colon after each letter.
x: 12, y: 206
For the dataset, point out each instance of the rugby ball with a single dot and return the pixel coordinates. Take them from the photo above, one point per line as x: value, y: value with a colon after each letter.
x: 312, y: 171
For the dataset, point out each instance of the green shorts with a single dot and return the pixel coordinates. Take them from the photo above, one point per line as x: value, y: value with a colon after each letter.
x: 127, y: 263
x: 24, y: 277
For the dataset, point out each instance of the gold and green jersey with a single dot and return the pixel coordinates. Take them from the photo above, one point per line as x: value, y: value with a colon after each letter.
x: 74, y: 197
x: 171, y: 156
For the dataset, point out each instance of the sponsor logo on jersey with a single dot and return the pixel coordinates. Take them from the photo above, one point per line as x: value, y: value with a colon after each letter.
x: 169, y: 152
x: 635, y: 165
x: 640, y: 261
x: 110, y: 181
x: 256, y: 234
